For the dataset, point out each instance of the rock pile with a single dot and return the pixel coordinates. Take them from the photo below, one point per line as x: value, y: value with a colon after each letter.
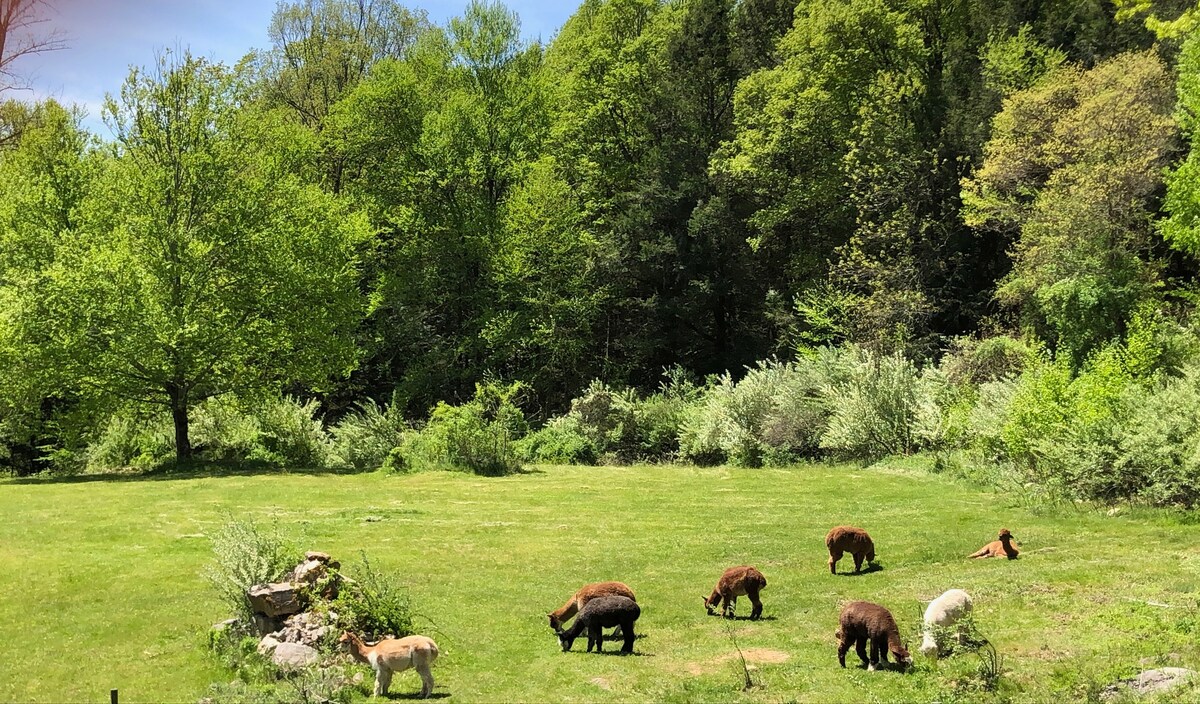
x: 289, y: 631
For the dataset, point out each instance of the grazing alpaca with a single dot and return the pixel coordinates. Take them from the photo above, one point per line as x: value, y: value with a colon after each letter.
x: 583, y: 596
x: 943, y: 612
x: 735, y: 582
x: 600, y: 613
x: 999, y: 548
x: 388, y: 657
x: 863, y: 622
x: 849, y: 539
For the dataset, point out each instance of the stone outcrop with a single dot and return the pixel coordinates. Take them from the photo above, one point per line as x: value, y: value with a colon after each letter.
x: 1149, y: 682
x: 294, y: 656
x: 276, y: 599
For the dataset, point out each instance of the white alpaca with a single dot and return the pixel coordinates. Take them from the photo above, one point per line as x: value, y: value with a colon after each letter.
x: 944, y: 612
x: 393, y: 655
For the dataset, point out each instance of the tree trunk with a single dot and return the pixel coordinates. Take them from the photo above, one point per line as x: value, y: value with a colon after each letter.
x: 179, y: 414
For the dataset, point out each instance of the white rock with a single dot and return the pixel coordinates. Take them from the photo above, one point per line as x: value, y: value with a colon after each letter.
x: 294, y: 656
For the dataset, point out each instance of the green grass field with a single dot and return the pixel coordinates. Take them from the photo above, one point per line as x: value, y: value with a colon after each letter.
x: 102, y: 585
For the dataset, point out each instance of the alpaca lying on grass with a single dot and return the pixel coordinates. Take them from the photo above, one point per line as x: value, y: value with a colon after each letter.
x: 585, y: 594
x: 855, y: 541
x: 735, y: 582
x: 598, y: 614
x: 947, y: 610
x: 1003, y: 547
x: 393, y: 655
x: 862, y: 622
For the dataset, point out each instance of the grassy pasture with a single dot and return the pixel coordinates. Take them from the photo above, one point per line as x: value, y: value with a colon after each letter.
x: 103, y: 587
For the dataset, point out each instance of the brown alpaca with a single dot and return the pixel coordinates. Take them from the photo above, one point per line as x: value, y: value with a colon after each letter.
x: 393, y: 655
x: 999, y: 548
x: 862, y: 622
x: 735, y: 582
x: 586, y: 593
x: 849, y: 539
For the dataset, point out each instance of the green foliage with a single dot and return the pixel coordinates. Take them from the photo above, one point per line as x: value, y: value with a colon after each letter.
x: 245, y: 554
x: 477, y: 436
x: 876, y: 408
x: 560, y: 441
x: 365, y: 437
x: 372, y: 605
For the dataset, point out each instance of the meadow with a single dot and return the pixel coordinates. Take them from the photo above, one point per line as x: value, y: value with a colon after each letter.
x: 103, y: 585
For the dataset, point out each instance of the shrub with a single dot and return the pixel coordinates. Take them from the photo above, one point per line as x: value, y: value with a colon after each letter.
x: 289, y: 433
x: 365, y: 437
x: 607, y: 418
x: 1160, y: 441
x: 371, y: 603
x: 246, y: 555
x: 874, y: 410
x: 128, y: 440
x: 222, y: 430
x: 476, y: 436
x: 976, y: 362
x: 561, y: 441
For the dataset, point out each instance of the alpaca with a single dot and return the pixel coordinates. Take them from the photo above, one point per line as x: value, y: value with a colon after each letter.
x: 600, y: 613
x: 735, y: 582
x: 999, y: 548
x: 585, y: 594
x: 862, y: 622
x: 943, y: 612
x: 855, y: 541
x: 393, y: 655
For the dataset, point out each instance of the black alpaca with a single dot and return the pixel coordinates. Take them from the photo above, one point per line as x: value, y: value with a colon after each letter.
x: 601, y: 613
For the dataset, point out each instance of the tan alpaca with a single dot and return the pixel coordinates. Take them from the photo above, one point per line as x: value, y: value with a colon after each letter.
x: 585, y: 594
x: 855, y: 541
x: 735, y: 582
x: 999, y: 548
x: 393, y: 655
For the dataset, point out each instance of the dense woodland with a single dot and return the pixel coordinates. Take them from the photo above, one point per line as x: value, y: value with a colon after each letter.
x: 375, y: 217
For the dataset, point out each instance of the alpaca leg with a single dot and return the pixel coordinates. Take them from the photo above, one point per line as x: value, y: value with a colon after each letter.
x: 756, y: 612
x: 629, y: 638
x: 383, y: 680
x: 834, y: 556
x: 860, y: 647
x: 596, y: 633
x: 426, y: 679
x: 843, y: 647
x: 730, y: 606
x: 874, y: 661
x: 858, y: 560
x: 882, y: 647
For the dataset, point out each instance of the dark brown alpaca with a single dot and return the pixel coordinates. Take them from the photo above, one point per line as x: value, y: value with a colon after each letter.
x: 849, y: 539
x: 585, y: 594
x: 862, y: 622
x: 735, y: 582
x: 999, y: 548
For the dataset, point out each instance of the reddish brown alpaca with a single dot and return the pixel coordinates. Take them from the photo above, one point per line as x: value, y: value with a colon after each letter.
x: 580, y: 599
x: 855, y: 541
x: 999, y: 548
x: 862, y: 622
x: 735, y: 582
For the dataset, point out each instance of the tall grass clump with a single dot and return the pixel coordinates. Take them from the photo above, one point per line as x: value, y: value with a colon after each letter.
x: 373, y: 603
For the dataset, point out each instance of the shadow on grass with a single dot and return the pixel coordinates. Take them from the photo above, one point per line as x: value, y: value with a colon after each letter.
x: 875, y: 567
x: 193, y: 470
x: 203, y: 469
x: 417, y: 695
x: 621, y: 639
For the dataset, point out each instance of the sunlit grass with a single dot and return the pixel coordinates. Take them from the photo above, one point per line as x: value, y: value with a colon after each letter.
x: 103, y: 586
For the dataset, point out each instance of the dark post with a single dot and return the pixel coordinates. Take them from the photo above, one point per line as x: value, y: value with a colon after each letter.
x: 112, y: 696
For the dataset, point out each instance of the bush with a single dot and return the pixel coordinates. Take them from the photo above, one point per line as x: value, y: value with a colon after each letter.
x: 1159, y: 443
x: 561, y: 441
x: 976, y: 362
x: 371, y: 603
x: 246, y: 555
x: 130, y: 441
x: 289, y: 433
x: 874, y: 410
x: 477, y: 436
x: 365, y: 437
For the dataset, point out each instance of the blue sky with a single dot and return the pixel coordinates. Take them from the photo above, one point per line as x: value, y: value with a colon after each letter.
x: 105, y: 37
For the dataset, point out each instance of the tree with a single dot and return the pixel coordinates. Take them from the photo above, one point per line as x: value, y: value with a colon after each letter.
x: 1074, y: 167
x: 20, y: 36
x: 202, y: 263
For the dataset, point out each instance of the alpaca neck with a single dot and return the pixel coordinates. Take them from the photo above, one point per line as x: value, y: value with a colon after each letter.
x: 715, y: 598
x: 927, y: 641
x: 358, y: 650
x: 894, y: 644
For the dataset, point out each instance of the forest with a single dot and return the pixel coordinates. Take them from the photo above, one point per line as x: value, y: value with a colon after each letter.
x: 702, y: 231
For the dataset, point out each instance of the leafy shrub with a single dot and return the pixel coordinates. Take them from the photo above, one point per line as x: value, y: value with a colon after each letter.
x: 476, y: 436
x: 365, y: 437
x: 371, y: 603
x: 977, y: 362
x: 875, y: 409
x: 561, y: 441
x: 607, y: 418
x: 1159, y: 441
x: 128, y: 440
x: 289, y: 433
x: 246, y: 555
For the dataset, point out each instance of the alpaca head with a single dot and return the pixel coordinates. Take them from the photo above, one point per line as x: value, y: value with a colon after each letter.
x: 344, y: 641
x: 554, y: 622
x: 708, y: 605
x: 871, y: 556
x: 566, y: 640
x: 928, y: 647
x: 903, y: 657
x: 1005, y: 536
